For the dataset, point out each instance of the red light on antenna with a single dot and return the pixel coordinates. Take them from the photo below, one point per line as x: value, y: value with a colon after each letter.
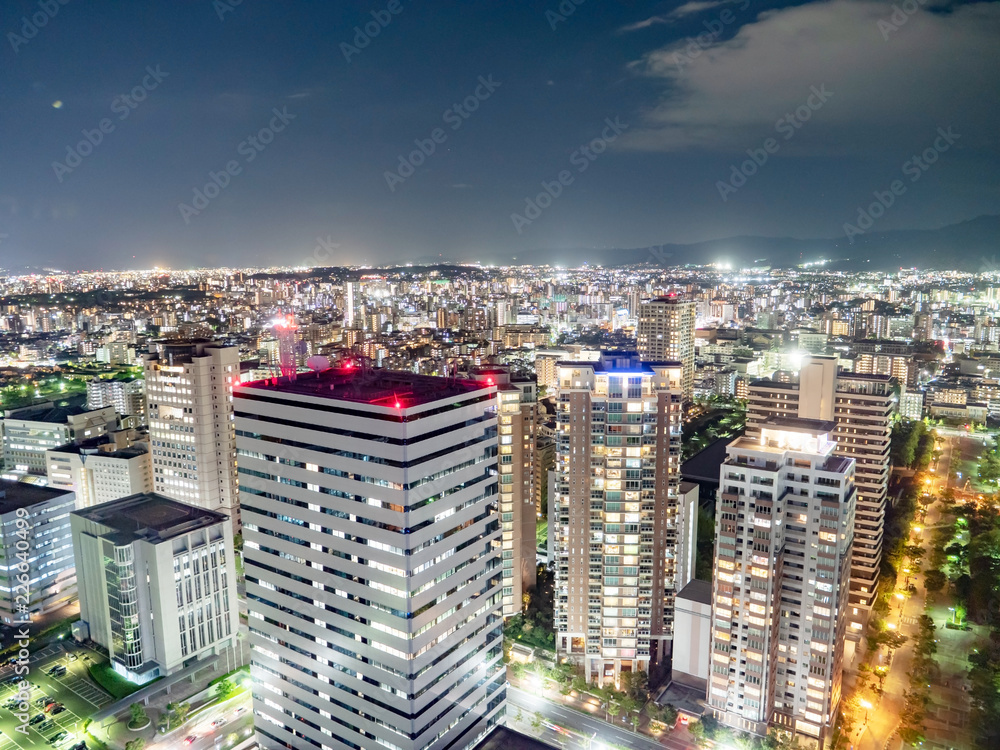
x: 489, y: 381
x: 398, y: 404
x: 349, y: 364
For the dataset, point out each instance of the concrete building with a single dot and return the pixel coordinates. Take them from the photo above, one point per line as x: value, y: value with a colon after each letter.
x: 373, y: 558
x: 687, y: 533
x: 128, y: 397
x: 157, y: 583
x: 29, y: 432
x: 617, y: 512
x: 517, y: 414
x: 189, y: 392
x: 35, y: 542
x: 784, y: 530
x: 665, y: 333
x: 692, y: 635
x: 97, y: 473
x: 861, y: 406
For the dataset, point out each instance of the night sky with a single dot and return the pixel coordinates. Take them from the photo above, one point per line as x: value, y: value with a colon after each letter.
x: 633, y: 121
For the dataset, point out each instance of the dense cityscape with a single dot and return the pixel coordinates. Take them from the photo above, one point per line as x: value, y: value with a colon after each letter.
x: 699, y: 505
x: 574, y: 375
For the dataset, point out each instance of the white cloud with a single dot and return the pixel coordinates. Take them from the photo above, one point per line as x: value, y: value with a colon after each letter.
x: 936, y: 69
x: 688, y: 9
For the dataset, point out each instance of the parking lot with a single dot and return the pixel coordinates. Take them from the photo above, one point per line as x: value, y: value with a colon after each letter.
x: 75, y: 690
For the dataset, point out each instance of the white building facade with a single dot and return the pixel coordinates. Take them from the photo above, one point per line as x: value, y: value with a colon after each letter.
x: 784, y: 530
x: 157, y: 583
x: 373, y: 559
x: 189, y: 391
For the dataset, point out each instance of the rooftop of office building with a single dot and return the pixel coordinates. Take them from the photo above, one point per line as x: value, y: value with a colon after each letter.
x: 619, y: 361
x: 14, y: 495
x: 150, y: 517
x: 351, y: 382
x: 503, y: 738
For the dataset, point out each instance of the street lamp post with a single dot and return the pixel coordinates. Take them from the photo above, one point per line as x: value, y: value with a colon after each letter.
x: 866, y: 705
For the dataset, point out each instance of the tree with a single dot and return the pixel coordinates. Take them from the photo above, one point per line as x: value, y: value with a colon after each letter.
x: 180, y: 712
x: 669, y: 714
x: 614, y: 709
x: 138, y: 715
x: 536, y: 720
x: 636, y: 685
x: 934, y: 580
x: 137, y: 744
x: 224, y: 688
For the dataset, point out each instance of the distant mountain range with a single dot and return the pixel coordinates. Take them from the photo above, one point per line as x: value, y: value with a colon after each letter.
x: 972, y: 245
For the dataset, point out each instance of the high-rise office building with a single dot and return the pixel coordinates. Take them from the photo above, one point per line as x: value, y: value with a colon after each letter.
x: 373, y: 558
x: 189, y: 397
x: 861, y: 406
x: 665, y: 333
x: 517, y: 410
x: 157, y: 583
x: 35, y: 541
x: 784, y: 529
x: 616, y: 512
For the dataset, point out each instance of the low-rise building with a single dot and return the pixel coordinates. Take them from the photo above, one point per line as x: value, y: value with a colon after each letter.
x: 157, y: 583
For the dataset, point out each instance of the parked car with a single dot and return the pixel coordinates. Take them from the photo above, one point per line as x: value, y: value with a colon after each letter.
x: 58, y: 709
x: 81, y: 745
x: 59, y: 737
x: 37, y: 719
x: 50, y: 706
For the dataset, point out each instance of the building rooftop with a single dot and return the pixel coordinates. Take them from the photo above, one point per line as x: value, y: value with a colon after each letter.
x: 696, y: 591
x: 503, y: 738
x: 392, y: 388
x: 798, y: 424
x: 150, y: 517
x: 14, y: 495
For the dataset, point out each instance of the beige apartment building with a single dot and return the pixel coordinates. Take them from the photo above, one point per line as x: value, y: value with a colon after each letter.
x: 861, y: 407
x: 616, y: 511
x: 665, y: 333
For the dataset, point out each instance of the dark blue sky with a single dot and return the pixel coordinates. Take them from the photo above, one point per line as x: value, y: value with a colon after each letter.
x: 692, y: 110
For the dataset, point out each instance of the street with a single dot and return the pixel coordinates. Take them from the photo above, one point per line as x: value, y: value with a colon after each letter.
x: 577, y: 730
x: 946, y: 719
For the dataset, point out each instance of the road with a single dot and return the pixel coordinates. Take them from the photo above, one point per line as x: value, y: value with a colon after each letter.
x: 878, y: 733
x: 237, y: 727
x: 585, y: 732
